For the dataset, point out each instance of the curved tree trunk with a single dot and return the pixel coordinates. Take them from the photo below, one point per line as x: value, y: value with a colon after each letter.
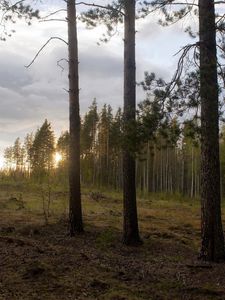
x: 131, y: 232
x: 75, y: 211
x: 211, y: 226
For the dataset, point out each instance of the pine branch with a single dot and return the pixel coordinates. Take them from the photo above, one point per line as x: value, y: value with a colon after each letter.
x: 108, y: 7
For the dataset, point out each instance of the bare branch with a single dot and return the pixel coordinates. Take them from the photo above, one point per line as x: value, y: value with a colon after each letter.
x: 219, y: 2
x: 40, y: 50
x: 59, y: 63
x: 180, y: 65
x: 53, y: 13
x: 50, y: 20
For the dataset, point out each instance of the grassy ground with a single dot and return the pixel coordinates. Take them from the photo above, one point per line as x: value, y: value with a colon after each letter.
x: 39, y: 261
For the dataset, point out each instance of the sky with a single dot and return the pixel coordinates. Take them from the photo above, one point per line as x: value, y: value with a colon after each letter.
x: 30, y: 95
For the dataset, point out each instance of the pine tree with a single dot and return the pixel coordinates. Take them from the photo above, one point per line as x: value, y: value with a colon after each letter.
x: 17, y: 154
x: 14, y: 11
x: 131, y: 231
x: 118, y: 12
x: 88, y: 145
x: 9, y: 158
x: 115, y: 146
x: 211, y: 226
x: 63, y: 147
x: 42, y: 151
x: 28, y: 143
x: 104, y: 125
x: 75, y: 210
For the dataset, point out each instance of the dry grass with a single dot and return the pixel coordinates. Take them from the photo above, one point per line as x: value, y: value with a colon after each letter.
x: 39, y: 261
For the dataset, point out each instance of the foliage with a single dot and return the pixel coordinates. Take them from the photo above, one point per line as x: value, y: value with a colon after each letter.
x: 42, y: 150
x: 11, y: 12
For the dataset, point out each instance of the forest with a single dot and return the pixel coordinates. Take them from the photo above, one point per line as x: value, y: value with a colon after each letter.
x: 168, y: 163
x: 128, y: 201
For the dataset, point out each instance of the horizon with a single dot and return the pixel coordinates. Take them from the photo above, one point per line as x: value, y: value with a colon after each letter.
x: 31, y: 95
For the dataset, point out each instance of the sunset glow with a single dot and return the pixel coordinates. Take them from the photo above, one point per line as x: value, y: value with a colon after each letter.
x: 2, y: 162
x: 57, y: 158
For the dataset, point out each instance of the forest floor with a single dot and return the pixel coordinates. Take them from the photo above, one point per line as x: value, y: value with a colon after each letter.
x: 40, y: 261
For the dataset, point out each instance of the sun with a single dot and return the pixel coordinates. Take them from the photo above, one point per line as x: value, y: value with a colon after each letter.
x: 57, y: 158
x: 2, y: 162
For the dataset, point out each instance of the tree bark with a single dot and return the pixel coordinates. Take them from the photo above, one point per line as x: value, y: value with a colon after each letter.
x: 131, y: 231
x: 212, y: 248
x: 75, y: 211
x: 192, y: 171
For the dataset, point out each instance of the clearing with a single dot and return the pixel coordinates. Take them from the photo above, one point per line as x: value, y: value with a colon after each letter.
x: 39, y: 261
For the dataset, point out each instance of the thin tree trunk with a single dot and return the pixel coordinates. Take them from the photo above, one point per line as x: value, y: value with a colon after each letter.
x: 192, y: 171
x: 161, y: 166
x: 212, y: 248
x: 131, y: 231
x: 75, y: 211
x: 167, y: 170
x: 153, y: 171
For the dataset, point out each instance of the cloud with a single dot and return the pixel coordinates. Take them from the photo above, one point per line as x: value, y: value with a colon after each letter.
x: 13, y: 75
x: 28, y: 96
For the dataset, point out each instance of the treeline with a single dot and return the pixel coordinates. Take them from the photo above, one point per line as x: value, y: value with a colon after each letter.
x: 153, y: 139
x: 34, y: 157
x: 167, y: 162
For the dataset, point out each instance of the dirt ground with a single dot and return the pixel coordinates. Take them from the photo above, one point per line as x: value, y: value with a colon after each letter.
x: 40, y: 261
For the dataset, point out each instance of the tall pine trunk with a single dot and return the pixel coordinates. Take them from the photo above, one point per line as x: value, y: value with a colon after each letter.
x: 212, y: 248
x: 75, y: 211
x: 131, y: 231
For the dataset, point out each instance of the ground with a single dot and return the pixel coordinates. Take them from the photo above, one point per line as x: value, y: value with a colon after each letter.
x: 40, y: 261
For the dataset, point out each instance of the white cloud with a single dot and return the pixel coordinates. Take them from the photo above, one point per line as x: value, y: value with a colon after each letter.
x: 28, y: 96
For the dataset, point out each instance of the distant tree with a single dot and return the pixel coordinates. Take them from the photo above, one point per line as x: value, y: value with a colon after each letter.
x: 9, y: 158
x: 104, y: 125
x: 18, y: 154
x: 63, y: 147
x: 115, y: 146
x: 28, y: 143
x: 89, y: 145
x: 42, y: 151
x: 89, y: 129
